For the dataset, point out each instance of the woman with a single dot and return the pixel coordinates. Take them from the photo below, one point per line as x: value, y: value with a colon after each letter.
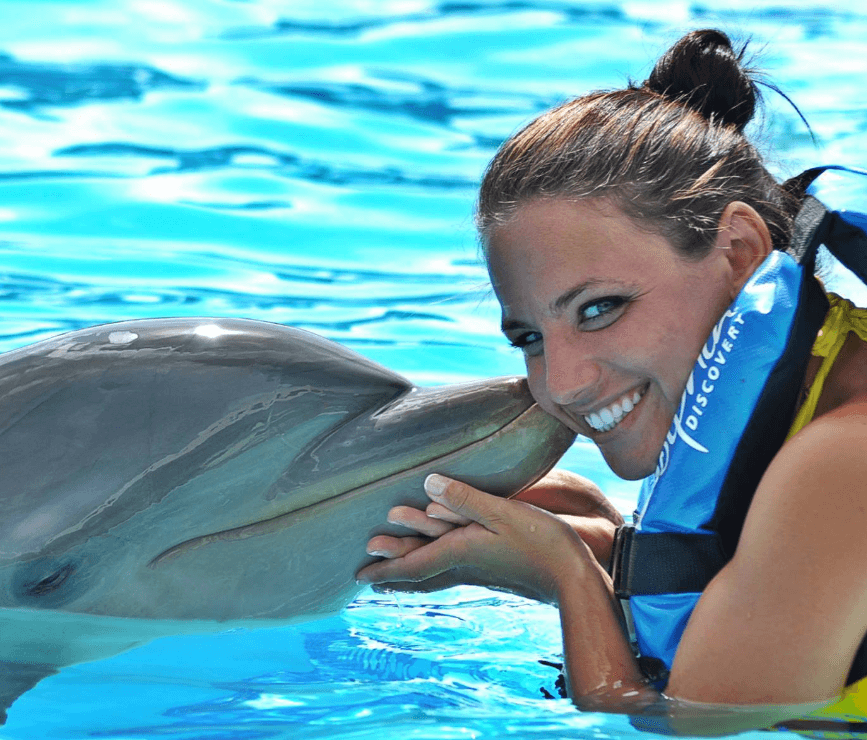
x: 618, y: 229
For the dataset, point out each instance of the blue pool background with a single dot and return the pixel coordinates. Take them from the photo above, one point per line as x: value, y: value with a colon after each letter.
x: 314, y: 164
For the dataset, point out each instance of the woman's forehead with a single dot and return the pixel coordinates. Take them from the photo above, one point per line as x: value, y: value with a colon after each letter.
x: 590, y: 238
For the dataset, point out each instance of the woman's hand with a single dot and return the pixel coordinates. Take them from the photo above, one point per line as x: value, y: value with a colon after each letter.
x: 581, y: 503
x: 575, y: 499
x: 480, y: 539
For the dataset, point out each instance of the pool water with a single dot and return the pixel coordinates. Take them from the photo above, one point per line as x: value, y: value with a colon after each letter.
x: 314, y: 164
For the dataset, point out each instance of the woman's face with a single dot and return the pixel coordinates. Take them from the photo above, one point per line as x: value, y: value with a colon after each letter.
x: 610, y: 319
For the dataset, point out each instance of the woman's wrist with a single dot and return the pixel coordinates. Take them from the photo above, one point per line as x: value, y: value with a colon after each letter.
x: 578, y: 571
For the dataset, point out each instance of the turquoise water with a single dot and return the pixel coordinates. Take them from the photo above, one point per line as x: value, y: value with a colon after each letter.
x: 314, y: 164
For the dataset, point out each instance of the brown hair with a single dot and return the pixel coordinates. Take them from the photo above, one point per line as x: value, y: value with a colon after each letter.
x: 670, y: 153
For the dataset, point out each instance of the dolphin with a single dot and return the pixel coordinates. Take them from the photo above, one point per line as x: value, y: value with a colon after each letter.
x: 171, y: 476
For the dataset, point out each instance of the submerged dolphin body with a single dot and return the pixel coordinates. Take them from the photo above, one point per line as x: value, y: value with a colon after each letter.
x: 183, y: 475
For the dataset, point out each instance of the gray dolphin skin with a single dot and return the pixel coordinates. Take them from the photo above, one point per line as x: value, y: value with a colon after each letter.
x: 175, y: 476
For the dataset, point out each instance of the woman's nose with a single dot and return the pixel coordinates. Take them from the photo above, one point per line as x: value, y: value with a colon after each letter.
x: 570, y: 374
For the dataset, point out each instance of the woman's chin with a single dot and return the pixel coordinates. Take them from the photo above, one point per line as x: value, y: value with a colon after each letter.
x: 629, y: 468
x: 631, y: 461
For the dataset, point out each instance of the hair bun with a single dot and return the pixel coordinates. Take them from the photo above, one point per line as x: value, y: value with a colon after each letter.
x: 704, y: 72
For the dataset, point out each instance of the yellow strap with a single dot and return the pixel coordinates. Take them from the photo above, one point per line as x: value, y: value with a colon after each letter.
x: 851, y: 706
x: 842, y: 318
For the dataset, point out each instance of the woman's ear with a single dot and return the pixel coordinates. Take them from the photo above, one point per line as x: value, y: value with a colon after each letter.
x: 745, y: 237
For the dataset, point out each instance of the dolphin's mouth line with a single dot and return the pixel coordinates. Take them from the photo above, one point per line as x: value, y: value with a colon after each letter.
x: 276, y: 523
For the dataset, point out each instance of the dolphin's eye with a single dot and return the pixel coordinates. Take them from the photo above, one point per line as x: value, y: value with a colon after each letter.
x: 51, y: 582
x: 46, y: 583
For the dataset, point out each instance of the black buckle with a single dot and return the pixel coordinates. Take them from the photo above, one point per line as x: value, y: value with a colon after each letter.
x: 621, y: 550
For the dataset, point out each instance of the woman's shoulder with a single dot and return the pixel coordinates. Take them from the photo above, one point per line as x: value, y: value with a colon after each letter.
x: 833, y: 444
x: 807, y: 524
x: 824, y: 466
x: 817, y: 482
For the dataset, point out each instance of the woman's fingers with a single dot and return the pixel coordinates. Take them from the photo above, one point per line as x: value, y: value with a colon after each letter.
x: 465, y: 521
x: 465, y: 501
x: 411, y: 518
x: 418, y: 564
x: 438, y: 511
x: 383, y: 546
x: 386, y: 546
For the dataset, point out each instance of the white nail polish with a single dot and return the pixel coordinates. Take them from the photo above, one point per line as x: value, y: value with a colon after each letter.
x: 435, y: 484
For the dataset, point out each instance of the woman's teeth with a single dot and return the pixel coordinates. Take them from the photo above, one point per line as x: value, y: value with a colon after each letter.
x: 606, y: 419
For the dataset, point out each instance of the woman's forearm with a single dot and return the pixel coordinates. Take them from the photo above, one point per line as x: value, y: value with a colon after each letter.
x: 601, y: 670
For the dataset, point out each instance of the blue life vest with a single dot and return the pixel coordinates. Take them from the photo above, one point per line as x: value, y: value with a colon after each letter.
x: 733, y: 417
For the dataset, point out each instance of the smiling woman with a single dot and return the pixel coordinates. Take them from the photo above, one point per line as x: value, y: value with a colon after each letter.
x: 627, y: 234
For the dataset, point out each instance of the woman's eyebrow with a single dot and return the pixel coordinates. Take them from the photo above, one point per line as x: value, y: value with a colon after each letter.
x: 509, y: 324
x: 559, y: 303
x: 562, y: 301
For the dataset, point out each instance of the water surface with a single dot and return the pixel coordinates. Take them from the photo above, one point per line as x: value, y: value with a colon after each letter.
x: 315, y: 164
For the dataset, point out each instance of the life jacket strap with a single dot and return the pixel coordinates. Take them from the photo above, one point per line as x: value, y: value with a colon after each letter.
x: 842, y: 230
x: 670, y: 562
x: 810, y: 229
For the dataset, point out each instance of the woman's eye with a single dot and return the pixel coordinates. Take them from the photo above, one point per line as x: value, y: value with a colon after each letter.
x: 601, y: 312
x: 529, y: 342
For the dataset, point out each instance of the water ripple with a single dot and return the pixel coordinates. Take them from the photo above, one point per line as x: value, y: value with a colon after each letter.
x: 413, y: 96
x: 819, y: 19
x: 33, y: 288
x: 354, y: 27
x: 31, y: 86
x: 285, y: 164
x: 425, y: 662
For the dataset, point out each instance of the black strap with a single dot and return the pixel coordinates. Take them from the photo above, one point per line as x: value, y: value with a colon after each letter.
x: 815, y: 225
x: 646, y: 563
x: 809, y: 230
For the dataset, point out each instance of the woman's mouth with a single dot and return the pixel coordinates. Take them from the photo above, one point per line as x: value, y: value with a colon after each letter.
x: 605, y: 419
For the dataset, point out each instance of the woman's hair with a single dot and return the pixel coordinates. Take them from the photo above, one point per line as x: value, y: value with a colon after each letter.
x: 670, y: 153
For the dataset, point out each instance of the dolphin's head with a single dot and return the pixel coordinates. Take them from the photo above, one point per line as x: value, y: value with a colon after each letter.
x: 227, y: 470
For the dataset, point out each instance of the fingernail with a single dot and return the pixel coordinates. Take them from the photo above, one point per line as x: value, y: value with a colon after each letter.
x: 435, y: 485
x: 378, y: 553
